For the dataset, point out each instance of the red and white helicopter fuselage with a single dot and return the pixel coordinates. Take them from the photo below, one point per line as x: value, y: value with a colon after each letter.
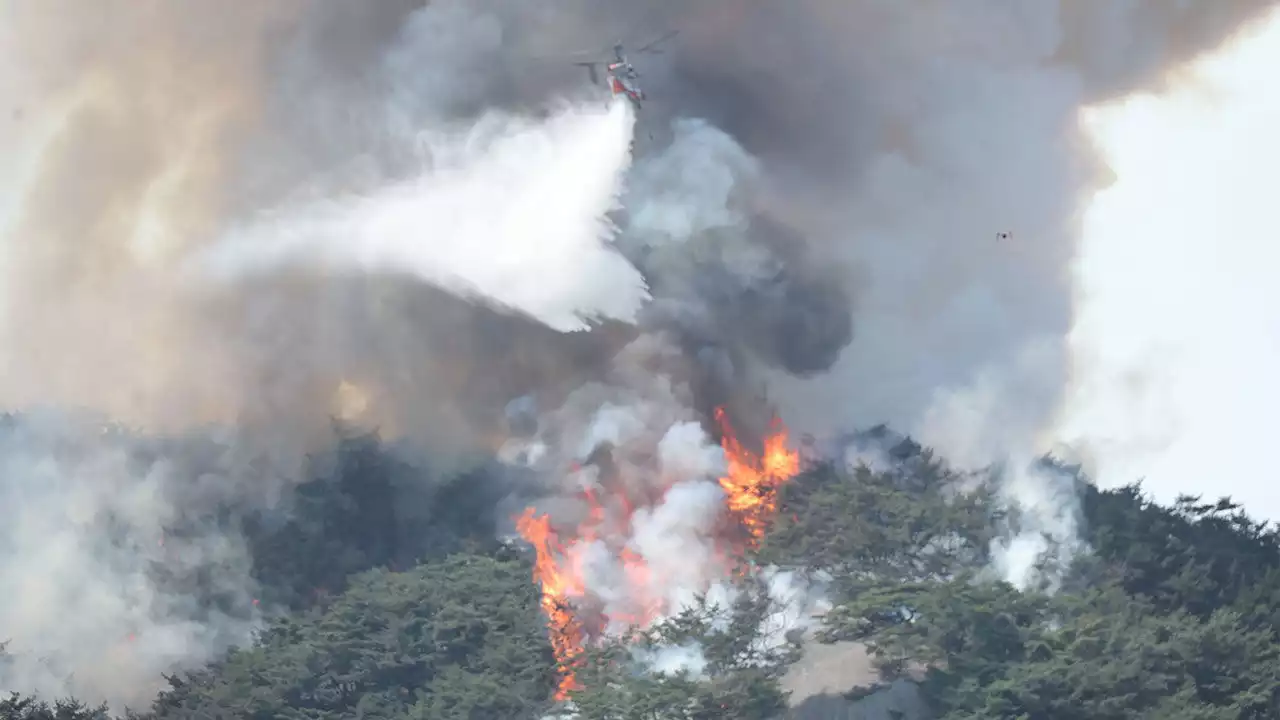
x: 622, y: 82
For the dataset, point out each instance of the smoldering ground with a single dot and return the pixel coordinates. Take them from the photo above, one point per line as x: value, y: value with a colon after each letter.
x: 818, y: 206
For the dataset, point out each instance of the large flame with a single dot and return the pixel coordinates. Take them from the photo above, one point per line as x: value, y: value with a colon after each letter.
x: 751, y: 483
x: 750, y: 486
x: 558, y: 585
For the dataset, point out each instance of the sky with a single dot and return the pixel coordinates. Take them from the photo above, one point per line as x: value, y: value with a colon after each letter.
x: 1177, y: 335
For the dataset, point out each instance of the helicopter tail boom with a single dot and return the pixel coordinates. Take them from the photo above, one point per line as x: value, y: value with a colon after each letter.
x: 591, y: 70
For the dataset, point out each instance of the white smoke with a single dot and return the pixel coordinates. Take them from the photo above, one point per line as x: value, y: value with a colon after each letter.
x: 99, y: 599
x: 687, y: 658
x: 1039, y: 548
x: 795, y: 604
x: 655, y: 493
x: 689, y: 189
x: 512, y: 212
x: 641, y: 515
x: 687, y: 207
x: 994, y: 423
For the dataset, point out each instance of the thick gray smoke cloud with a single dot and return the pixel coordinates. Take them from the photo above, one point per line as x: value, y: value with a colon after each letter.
x: 815, y: 200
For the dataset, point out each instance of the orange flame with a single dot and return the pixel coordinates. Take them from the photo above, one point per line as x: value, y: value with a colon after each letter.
x: 558, y: 584
x: 751, y: 485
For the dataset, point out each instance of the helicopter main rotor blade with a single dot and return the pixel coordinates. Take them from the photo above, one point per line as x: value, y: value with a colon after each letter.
x: 659, y: 41
x: 580, y: 56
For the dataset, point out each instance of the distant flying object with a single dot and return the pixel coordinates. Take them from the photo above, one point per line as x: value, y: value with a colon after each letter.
x: 1003, y: 235
x: 620, y: 74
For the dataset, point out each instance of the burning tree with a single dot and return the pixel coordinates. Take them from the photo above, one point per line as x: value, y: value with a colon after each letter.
x: 634, y: 557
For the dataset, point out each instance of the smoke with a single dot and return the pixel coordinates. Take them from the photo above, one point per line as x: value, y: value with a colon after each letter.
x: 647, y: 516
x: 1037, y: 550
x: 724, y: 268
x: 995, y: 423
x: 638, y: 491
x: 114, y: 567
x: 814, y: 202
x: 793, y: 605
x: 124, y: 133
x: 963, y: 125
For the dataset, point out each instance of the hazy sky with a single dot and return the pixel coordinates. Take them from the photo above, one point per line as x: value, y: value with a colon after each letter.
x: 1178, y: 337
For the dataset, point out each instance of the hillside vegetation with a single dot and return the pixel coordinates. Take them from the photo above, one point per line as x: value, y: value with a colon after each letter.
x: 390, y: 614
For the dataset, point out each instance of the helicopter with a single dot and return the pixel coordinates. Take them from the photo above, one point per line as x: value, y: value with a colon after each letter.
x: 621, y: 76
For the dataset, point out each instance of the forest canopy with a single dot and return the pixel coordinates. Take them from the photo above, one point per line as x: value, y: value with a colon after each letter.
x: 390, y: 613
